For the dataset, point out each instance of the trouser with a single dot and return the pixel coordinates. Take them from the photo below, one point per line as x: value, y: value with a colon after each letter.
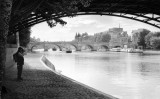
x: 19, y: 68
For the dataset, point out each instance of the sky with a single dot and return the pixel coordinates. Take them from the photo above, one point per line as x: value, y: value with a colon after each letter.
x: 85, y: 23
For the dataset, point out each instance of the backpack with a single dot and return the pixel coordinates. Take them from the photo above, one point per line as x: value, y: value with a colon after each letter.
x: 15, y: 57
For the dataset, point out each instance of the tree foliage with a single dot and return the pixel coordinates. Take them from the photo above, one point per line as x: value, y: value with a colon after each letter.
x: 152, y: 40
x: 156, y: 34
x: 155, y: 42
x: 24, y: 37
x: 141, y: 38
x: 11, y: 39
x: 84, y: 37
x: 148, y: 40
x: 49, y: 10
x: 106, y: 38
x: 66, y: 7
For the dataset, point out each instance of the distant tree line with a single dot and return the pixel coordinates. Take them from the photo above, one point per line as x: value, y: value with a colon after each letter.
x: 100, y: 37
x: 148, y: 39
x: 152, y: 40
x: 34, y: 39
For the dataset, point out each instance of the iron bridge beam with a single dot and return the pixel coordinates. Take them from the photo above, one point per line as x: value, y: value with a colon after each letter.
x: 151, y: 19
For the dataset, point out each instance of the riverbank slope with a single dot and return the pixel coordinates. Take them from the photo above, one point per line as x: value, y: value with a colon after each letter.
x: 41, y: 83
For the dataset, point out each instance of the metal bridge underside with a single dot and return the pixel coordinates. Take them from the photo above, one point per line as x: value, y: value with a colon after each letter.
x: 146, y: 11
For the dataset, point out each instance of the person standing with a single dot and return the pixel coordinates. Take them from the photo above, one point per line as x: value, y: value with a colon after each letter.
x: 19, y: 59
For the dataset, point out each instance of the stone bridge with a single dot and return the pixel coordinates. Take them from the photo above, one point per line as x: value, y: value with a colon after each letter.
x: 74, y: 46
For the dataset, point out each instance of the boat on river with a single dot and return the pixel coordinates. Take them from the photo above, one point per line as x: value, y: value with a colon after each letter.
x: 54, y: 49
x: 68, y: 51
x: 132, y: 50
x: 115, y: 49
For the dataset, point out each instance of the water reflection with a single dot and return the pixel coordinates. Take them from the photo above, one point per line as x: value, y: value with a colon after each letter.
x: 125, y: 75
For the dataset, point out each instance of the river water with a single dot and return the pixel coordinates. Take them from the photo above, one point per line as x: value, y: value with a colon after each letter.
x: 123, y: 75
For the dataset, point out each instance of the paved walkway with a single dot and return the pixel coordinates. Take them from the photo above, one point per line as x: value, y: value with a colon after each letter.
x: 41, y: 83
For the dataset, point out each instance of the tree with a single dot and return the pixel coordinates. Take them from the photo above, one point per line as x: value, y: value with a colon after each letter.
x: 156, y: 34
x: 106, y: 38
x: 152, y: 40
x: 79, y: 35
x: 76, y: 36
x: 148, y: 40
x: 98, y: 37
x: 155, y: 42
x: 141, y: 38
x: 24, y: 37
x: 49, y: 10
x: 84, y: 34
x: 11, y: 39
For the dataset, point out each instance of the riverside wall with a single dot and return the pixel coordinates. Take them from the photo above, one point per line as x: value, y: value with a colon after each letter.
x: 11, y: 49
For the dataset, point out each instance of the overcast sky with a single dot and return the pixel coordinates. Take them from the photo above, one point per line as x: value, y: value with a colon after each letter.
x: 90, y: 24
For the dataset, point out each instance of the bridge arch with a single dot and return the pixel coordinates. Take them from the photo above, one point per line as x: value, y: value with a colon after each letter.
x: 45, y: 45
x: 53, y: 45
x: 74, y: 47
x: 34, y: 45
x: 87, y: 47
x: 103, y: 48
x: 116, y: 46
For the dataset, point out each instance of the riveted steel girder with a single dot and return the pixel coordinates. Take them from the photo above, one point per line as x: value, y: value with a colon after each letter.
x: 151, y: 19
x: 146, y: 11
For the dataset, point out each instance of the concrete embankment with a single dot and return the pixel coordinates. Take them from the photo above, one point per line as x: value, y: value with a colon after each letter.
x: 47, y: 63
x: 41, y: 83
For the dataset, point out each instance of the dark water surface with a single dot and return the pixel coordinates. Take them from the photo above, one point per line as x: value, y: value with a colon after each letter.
x: 123, y: 75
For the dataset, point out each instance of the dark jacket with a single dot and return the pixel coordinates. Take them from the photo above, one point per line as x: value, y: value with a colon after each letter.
x: 18, y: 57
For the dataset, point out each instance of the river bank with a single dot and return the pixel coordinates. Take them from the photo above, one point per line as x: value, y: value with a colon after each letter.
x: 41, y: 83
